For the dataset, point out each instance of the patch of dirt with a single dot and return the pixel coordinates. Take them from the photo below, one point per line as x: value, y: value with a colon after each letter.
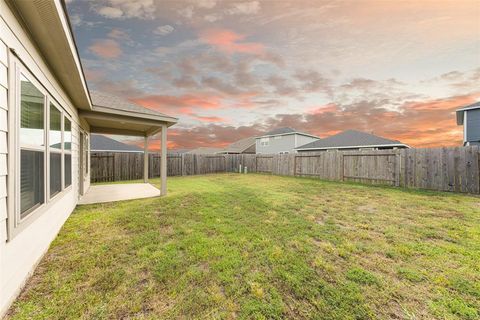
x: 167, y: 230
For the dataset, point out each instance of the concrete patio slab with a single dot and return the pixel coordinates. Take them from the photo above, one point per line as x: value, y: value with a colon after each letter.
x: 118, y: 192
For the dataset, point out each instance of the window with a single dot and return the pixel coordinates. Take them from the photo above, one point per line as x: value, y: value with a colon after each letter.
x: 264, y: 141
x: 67, y: 146
x: 55, y: 141
x: 44, y: 158
x: 32, y: 147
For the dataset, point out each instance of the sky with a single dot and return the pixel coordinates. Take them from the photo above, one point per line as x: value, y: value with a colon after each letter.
x: 233, y: 69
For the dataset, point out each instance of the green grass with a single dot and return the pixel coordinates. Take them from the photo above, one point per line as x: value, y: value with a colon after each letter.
x: 264, y: 247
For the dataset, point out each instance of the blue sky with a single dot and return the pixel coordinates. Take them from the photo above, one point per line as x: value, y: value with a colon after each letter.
x: 232, y: 69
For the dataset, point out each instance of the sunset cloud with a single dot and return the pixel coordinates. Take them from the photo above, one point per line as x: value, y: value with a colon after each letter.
x: 120, y: 9
x: 106, y: 48
x: 164, y: 30
x: 230, y: 42
x: 233, y: 69
x: 181, y: 104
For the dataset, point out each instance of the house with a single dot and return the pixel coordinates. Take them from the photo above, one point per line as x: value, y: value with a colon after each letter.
x: 282, y: 140
x: 101, y: 143
x: 469, y: 117
x: 243, y: 146
x: 204, y: 150
x: 351, y: 140
x: 46, y: 118
x: 178, y: 151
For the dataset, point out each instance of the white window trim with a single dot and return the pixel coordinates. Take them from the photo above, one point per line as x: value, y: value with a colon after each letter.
x: 65, y: 151
x: 55, y: 150
x: 15, y: 223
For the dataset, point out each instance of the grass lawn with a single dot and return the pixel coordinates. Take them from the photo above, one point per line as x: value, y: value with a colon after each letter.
x: 264, y: 247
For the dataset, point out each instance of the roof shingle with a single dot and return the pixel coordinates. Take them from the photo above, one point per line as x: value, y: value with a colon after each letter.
x: 240, y: 145
x: 280, y: 131
x: 106, y: 100
x: 350, y: 138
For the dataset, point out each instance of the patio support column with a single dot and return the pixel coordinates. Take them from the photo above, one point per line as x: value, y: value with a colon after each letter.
x: 145, y: 160
x: 163, y: 162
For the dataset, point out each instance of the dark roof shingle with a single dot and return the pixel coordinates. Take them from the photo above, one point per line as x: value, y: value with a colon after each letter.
x: 350, y: 138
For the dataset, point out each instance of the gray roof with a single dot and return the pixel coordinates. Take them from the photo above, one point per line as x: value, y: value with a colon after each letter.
x: 476, y: 105
x: 100, y: 142
x: 205, y: 150
x: 178, y: 151
x: 240, y: 145
x: 280, y: 131
x: 460, y: 111
x: 106, y: 100
x: 350, y: 138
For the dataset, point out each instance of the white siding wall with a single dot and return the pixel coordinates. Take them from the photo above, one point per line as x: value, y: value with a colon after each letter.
x: 3, y: 140
x: 282, y: 143
x: 20, y: 254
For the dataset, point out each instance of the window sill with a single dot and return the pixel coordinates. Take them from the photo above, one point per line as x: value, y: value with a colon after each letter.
x: 17, y: 228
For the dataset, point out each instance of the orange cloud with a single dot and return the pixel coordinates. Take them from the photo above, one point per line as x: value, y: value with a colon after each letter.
x: 106, y: 48
x: 419, y: 124
x: 179, y: 105
x: 209, y: 118
x: 230, y: 42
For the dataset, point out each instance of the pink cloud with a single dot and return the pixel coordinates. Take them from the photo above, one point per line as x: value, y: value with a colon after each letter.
x: 176, y: 105
x: 106, y: 48
x: 230, y: 42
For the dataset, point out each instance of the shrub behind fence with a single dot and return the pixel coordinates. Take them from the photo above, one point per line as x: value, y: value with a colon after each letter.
x: 446, y: 169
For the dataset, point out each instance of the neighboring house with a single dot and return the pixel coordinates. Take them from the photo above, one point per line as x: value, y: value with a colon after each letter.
x: 204, y: 150
x: 178, y: 151
x: 101, y: 143
x: 469, y: 117
x: 351, y: 140
x: 244, y: 146
x: 46, y: 117
x: 282, y: 140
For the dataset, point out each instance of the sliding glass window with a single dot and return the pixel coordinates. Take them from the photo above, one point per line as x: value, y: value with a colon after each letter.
x: 32, y: 147
x: 55, y: 141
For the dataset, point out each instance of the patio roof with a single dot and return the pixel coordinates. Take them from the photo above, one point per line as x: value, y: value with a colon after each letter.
x: 114, y: 115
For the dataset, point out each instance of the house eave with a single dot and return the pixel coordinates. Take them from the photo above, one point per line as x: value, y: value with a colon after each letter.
x: 49, y: 28
x: 170, y: 121
x: 120, y: 122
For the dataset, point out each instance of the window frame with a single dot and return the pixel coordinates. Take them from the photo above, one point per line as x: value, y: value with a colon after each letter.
x: 65, y: 151
x: 55, y: 150
x: 17, y: 221
x: 18, y: 110
x: 264, y: 142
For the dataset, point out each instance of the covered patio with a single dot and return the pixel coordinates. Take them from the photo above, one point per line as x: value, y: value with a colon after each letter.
x: 119, y: 192
x: 113, y: 115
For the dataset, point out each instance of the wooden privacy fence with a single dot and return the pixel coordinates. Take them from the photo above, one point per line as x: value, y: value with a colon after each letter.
x: 446, y: 169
